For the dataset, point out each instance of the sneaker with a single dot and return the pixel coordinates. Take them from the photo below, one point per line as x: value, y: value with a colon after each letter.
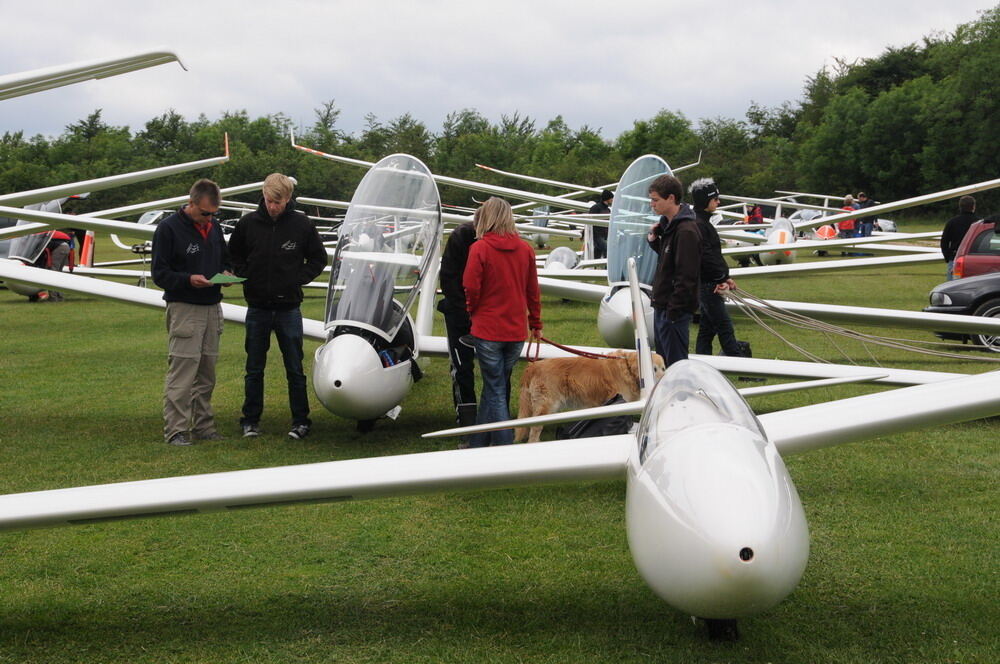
x: 180, y: 440
x: 299, y: 431
x: 212, y: 435
x: 251, y: 430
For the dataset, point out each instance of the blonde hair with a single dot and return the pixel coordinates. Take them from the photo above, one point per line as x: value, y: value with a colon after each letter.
x: 278, y: 186
x: 848, y: 200
x: 494, y: 216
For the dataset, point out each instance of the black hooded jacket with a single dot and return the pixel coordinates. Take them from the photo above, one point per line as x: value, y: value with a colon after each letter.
x: 453, y: 260
x: 678, y: 243
x: 179, y: 251
x: 277, y: 256
x: 714, y: 269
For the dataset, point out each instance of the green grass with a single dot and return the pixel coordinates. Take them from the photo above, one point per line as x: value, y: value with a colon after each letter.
x: 904, y: 529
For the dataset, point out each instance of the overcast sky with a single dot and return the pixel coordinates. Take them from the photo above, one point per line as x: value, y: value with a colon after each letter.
x: 598, y: 64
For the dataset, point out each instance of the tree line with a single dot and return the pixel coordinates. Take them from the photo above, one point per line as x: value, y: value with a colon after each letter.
x: 914, y: 119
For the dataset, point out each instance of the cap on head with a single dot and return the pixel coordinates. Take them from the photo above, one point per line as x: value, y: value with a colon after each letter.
x: 702, y: 191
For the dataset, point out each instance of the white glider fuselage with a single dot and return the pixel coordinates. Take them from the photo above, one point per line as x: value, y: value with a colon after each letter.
x: 627, y: 229
x: 714, y: 522
x: 388, y: 253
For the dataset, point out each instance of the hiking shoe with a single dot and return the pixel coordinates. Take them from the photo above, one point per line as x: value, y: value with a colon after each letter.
x: 212, y: 435
x: 251, y: 430
x: 180, y: 440
x: 299, y: 431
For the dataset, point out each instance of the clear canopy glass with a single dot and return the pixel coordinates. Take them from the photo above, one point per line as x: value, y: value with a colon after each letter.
x: 630, y: 220
x: 386, y: 242
x: 690, y: 393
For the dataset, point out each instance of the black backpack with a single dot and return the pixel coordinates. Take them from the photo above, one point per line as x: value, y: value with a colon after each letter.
x: 605, y: 426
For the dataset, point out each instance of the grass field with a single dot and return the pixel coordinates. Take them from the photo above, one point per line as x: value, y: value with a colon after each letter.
x: 904, y: 563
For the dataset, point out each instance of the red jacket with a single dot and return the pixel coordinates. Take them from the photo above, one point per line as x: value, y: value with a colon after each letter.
x: 501, y: 288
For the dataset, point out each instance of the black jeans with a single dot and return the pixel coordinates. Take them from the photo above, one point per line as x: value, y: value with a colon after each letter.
x: 463, y: 361
x: 287, y: 327
x: 714, y: 321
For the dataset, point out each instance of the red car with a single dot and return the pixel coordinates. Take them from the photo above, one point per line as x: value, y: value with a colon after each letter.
x: 979, y: 252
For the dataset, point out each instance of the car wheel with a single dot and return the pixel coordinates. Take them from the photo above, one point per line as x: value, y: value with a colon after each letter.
x: 990, y: 308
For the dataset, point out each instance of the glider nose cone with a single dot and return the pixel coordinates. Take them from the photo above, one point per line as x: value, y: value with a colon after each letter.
x: 350, y: 380
x: 614, y: 319
x: 715, y: 524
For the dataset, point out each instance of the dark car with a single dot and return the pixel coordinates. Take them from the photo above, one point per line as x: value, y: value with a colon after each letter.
x: 974, y: 296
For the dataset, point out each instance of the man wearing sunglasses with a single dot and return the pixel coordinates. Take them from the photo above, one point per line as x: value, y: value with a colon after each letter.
x: 188, y: 250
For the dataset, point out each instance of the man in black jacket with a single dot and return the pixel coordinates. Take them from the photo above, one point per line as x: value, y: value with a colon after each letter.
x: 278, y: 250
x: 188, y: 250
x: 713, y: 320
x: 457, y: 322
x: 677, y: 240
x: 955, y: 230
x: 600, y: 233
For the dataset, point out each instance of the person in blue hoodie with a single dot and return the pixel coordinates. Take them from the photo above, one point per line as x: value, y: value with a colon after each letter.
x: 188, y: 250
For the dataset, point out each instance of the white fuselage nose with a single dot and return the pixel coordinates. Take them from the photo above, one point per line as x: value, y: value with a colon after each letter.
x: 715, y: 524
x: 352, y: 381
x: 614, y: 319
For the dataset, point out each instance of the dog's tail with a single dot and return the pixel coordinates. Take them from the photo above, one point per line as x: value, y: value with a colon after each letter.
x: 644, y: 353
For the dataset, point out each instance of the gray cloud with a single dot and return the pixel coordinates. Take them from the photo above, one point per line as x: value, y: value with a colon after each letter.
x: 599, y: 64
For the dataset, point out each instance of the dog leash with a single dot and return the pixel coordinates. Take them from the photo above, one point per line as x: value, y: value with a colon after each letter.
x: 575, y: 351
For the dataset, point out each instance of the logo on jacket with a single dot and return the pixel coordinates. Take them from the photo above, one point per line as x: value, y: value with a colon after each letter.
x: 193, y: 248
x: 289, y: 246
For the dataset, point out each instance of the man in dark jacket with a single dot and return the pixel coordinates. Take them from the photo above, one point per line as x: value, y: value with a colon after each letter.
x: 955, y: 230
x: 600, y: 233
x: 714, y: 278
x: 188, y: 251
x: 677, y: 240
x: 866, y: 225
x: 278, y: 250
x: 457, y: 322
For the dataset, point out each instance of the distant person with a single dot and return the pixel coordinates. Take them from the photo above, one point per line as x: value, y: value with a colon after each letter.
x: 457, y: 322
x: 54, y: 257
x: 848, y: 227
x: 755, y: 215
x: 504, y: 302
x: 600, y: 233
x: 677, y: 241
x: 955, y: 230
x: 714, y: 277
x: 866, y: 225
x: 278, y: 250
x: 188, y: 250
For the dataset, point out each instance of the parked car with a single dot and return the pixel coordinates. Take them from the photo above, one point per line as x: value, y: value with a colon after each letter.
x: 979, y: 252
x: 973, y: 296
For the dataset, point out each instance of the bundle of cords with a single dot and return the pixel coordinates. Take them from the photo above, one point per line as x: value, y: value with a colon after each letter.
x: 757, y: 309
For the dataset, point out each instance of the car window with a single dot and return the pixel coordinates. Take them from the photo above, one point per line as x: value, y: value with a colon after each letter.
x: 986, y: 243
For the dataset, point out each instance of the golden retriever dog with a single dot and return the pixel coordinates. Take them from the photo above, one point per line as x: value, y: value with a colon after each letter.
x: 569, y: 383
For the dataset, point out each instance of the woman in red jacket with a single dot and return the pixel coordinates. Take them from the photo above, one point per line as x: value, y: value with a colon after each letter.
x: 502, y: 296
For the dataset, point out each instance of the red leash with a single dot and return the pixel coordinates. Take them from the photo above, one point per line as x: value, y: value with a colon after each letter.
x: 582, y: 353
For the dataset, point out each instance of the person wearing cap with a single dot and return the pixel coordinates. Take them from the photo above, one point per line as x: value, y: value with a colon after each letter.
x: 677, y: 241
x: 600, y: 233
x: 278, y: 250
x: 866, y: 225
x: 714, y: 276
x: 188, y: 250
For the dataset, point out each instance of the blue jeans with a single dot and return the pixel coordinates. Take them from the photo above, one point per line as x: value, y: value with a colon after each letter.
x: 714, y: 321
x: 496, y: 363
x: 287, y: 327
x: 672, y: 337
